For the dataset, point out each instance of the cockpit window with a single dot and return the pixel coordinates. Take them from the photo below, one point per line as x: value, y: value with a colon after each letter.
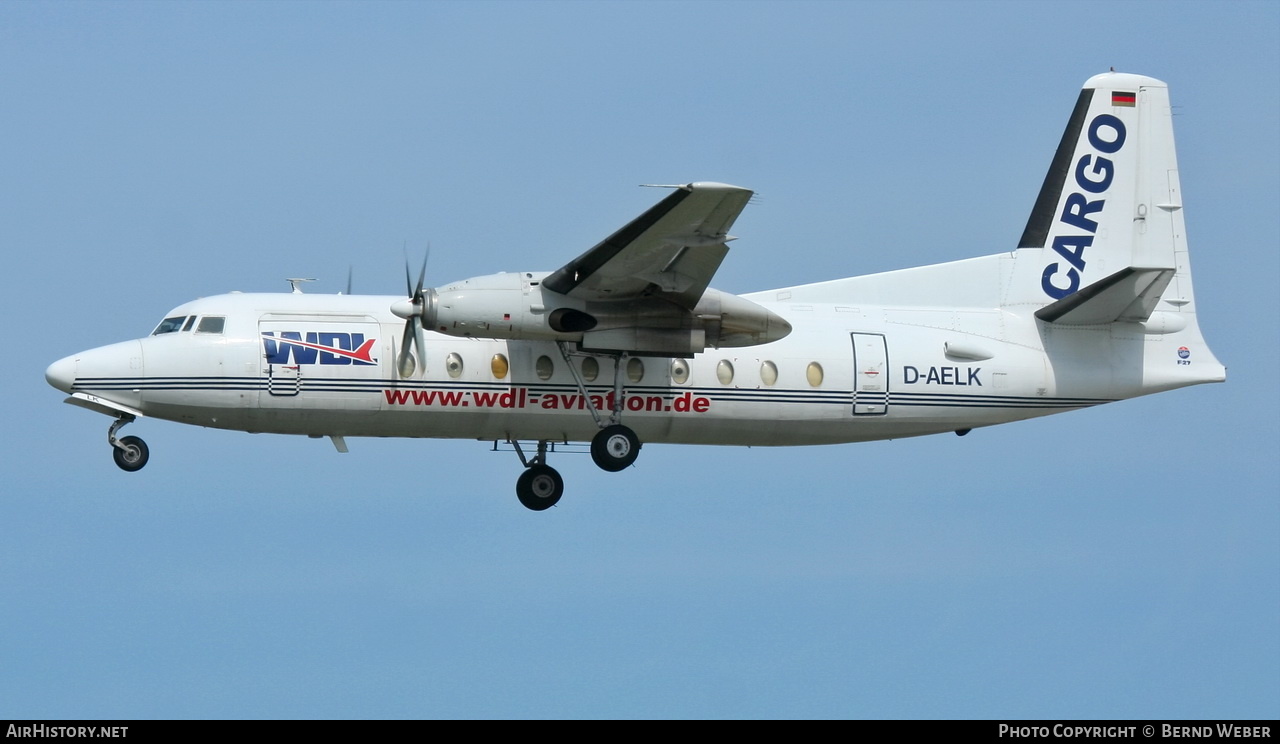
x: 211, y: 324
x: 190, y: 322
x: 170, y: 325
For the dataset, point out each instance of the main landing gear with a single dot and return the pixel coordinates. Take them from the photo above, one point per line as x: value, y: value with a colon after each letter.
x: 540, y: 485
x: 615, y: 447
x: 130, y: 453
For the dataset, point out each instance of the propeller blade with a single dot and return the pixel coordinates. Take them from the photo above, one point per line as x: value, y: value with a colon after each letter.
x: 421, y: 343
x: 405, y: 362
x: 422, y: 275
x: 413, y: 348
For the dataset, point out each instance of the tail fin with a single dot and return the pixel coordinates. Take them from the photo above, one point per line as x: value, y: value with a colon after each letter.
x: 1106, y: 247
x: 1108, y: 219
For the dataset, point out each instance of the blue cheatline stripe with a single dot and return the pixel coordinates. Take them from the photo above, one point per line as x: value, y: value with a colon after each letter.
x: 320, y: 385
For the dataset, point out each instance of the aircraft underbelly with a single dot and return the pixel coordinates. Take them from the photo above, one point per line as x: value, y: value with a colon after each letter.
x: 758, y: 425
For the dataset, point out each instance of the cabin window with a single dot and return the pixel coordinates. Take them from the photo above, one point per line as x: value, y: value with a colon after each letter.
x: 814, y: 374
x: 590, y: 369
x: 453, y: 365
x: 679, y: 371
x: 724, y: 371
x: 170, y: 325
x: 211, y: 324
x: 499, y: 366
x: 635, y: 369
x: 544, y: 368
x: 769, y: 373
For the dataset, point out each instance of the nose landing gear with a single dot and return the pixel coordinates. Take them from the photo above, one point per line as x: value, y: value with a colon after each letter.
x: 130, y: 453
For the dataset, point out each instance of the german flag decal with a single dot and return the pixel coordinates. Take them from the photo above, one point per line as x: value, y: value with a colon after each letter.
x: 1123, y: 99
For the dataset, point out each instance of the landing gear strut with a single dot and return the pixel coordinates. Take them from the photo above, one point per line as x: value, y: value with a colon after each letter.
x: 615, y: 447
x: 540, y: 485
x: 130, y: 453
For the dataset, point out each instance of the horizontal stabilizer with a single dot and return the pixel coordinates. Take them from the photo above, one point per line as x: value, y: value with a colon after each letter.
x: 1129, y: 295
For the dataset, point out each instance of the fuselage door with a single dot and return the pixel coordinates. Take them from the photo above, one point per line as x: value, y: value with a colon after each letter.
x: 870, y: 375
x: 323, y: 362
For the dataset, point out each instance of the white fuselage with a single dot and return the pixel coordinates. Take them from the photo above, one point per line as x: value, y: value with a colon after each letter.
x: 847, y: 372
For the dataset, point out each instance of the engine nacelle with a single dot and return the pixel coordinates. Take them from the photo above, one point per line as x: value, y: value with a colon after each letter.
x: 515, y: 306
x: 733, y: 321
x: 495, y: 306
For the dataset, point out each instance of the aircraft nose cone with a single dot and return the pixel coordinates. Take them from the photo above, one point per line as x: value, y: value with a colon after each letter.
x: 62, y: 373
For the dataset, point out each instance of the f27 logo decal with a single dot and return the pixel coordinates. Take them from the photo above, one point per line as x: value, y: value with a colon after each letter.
x: 317, y: 348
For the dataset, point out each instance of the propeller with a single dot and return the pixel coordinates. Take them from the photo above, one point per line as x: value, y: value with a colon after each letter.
x: 413, y: 310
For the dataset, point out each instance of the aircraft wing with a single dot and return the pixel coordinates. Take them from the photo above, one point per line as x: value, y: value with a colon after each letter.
x: 671, y: 251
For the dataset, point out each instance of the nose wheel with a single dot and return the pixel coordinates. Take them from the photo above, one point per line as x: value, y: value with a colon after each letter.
x: 130, y: 453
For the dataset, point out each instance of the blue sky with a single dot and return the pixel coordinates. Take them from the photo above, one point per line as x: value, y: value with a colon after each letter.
x: 1118, y: 562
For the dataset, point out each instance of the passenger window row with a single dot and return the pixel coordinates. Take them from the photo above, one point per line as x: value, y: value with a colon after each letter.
x: 544, y: 368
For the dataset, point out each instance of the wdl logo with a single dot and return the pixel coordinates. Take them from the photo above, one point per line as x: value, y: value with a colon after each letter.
x: 318, y: 347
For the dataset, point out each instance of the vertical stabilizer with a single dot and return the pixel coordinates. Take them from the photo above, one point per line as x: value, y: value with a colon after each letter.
x: 1111, y: 206
x: 1103, y: 259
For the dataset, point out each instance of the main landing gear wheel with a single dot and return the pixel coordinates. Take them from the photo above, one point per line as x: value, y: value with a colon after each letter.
x: 130, y: 453
x: 539, y: 487
x: 615, y: 447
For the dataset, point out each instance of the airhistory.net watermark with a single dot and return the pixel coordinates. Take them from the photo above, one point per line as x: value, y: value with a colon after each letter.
x: 46, y: 731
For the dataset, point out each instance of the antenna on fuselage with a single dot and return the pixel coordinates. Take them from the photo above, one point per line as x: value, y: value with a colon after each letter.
x: 293, y: 284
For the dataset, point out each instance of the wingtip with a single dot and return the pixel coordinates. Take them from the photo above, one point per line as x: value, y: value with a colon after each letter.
x: 714, y: 186
x: 696, y: 186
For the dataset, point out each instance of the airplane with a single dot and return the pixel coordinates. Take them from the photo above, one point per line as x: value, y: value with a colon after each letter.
x: 628, y: 344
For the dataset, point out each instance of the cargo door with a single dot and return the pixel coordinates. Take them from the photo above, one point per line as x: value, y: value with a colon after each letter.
x: 870, y: 375
x: 322, y: 363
